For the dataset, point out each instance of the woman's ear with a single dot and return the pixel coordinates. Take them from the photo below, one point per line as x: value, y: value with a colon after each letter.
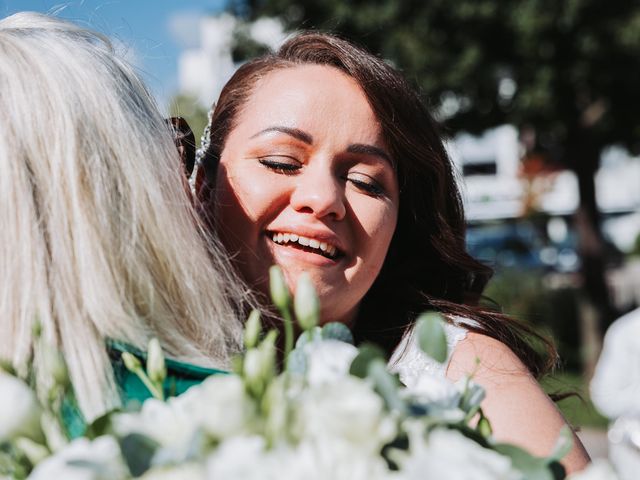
x: 185, y: 143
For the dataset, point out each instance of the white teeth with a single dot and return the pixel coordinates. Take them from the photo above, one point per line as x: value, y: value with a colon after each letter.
x: 283, y: 238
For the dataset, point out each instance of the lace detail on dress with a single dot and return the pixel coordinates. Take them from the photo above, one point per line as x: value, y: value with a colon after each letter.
x: 410, y: 362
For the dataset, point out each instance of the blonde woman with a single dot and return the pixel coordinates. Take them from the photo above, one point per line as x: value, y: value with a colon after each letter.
x: 94, y: 218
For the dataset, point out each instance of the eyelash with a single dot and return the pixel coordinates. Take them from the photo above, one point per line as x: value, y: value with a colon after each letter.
x: 370, y: 188
x: 279, y: 167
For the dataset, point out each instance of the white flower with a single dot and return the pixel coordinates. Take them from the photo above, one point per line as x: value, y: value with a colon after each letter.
x: 328, y: 360
x: 83, y: 459
x: 336, y: 460
x: 436, y: 391
x: 347, y: 410
x: 245, y: 458
x: 218, y: 405
x: 449, y: 454
x: 599, y: 469
x: 186, y: 471
x: 223, y: 406
x: 615, y: 388
x: 19, y: 409
x: 170, y: 424
x: 624, y: 446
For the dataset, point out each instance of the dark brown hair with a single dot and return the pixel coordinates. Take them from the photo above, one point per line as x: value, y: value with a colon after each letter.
x: 427, y: 266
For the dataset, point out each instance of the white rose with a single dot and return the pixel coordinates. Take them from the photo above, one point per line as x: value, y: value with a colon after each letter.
x: 83, y: 459
x: 222, y: 405
x: 169, y: 424
x: 19, y: 409
x: 449, y: 454
x: 328, y: 360
x: 348, y: 410
x: 615, y: 387
x: 219, y: 405
x: 245, y: 458
x: 624, y: 446
x: 187, y: 471
x: 437, y: 391
x: 336, y: 460
x: 439, y: 396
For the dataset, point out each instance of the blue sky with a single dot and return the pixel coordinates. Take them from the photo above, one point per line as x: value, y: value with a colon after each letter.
x: 152, y: 32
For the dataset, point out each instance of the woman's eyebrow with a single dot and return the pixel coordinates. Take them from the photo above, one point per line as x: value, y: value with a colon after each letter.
x: 364, y: 149
x: 294, y: 132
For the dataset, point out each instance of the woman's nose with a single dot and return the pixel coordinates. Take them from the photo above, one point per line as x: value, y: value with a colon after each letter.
x: 319, y: 193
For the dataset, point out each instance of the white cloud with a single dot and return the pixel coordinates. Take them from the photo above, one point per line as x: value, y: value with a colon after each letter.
x: 184, y: 28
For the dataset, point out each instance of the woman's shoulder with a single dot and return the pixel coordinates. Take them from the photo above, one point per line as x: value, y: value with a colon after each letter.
x: 488, y: 359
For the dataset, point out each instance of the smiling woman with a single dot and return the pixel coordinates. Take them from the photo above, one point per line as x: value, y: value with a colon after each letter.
x: 283, y: 193
x: 324, y: 160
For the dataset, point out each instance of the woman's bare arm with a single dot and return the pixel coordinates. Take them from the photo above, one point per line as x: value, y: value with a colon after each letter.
x: 519, y: 411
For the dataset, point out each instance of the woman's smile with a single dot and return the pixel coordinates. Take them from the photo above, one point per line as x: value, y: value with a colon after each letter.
x: 310, y: 244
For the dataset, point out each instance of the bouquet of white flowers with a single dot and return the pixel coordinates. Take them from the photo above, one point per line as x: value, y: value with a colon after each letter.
x: 332, y: 411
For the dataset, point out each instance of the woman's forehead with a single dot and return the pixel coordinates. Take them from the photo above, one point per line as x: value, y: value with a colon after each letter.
x: 313, y: 97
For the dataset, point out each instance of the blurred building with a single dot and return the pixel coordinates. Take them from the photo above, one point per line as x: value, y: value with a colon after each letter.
x: 495, y: 187
x: 203, y: 71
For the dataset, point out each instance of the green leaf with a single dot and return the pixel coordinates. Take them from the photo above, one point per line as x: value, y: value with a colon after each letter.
x: 297, y: 362
x: 386, y: 384
x: 337, y: 331
x: 533, y: 468
x: 431, y: 336
x: 101, y: 425
x: 367, y: 353
x: 138, y: 451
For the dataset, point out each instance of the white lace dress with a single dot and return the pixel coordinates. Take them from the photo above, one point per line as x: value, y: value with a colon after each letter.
x: 410, y: 363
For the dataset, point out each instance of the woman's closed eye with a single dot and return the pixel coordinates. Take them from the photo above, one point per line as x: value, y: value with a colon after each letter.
x: 366, y: 184
x: 280, y: 163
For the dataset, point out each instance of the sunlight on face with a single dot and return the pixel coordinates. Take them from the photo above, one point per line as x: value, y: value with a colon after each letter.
x: 305, y: 181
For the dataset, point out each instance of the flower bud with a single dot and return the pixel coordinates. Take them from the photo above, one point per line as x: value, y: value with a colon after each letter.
x: 156, y: 368
x: 252, y: 329
x: 131, y: 362
x: 306, y: 304
x: 279, y: 290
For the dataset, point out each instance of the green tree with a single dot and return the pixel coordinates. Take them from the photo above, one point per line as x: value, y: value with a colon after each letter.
x: 565, y: 72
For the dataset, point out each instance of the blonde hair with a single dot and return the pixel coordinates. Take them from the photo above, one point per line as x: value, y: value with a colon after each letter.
x: 98, y: 238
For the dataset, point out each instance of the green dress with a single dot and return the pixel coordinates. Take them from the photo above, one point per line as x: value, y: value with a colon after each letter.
x: 180, y: 377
